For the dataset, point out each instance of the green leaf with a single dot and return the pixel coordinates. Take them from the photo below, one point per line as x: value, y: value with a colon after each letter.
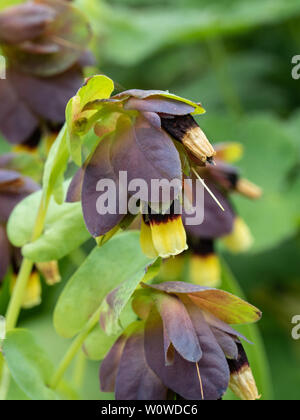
x: 56, y: 166
x: 96, y: 88
x: 162, y: 27
x: 98, y: 343
x: 9, y: 3
x: 118, y: 261
x: 64, y: 231
x: 29, y: 365
x: 256, y: 352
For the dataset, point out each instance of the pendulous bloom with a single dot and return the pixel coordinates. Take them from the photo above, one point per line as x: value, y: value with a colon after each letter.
x: 222, y: 180
x: 141, y: 132
x: 44, y: 43
x: 182, y: 347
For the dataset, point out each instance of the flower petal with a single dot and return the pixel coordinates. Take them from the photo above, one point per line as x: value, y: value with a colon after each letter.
x: 135, y: 380
x: 99, y: 168
x: 144, y: 94
x: 159, y: 104
x: 75, y: 187
x: 109, y: 366
x: 216, y: 222
x: 17, y: 121
x: 227, y: 344
x: 223, y: 305
x: 182, y: 377
x: 57, y: 89
x: 178, y: 326
x: 4, y: 252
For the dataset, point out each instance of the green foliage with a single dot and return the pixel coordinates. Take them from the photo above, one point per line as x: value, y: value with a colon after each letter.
x: 65, y: 229
x: 120, y: 262
x: 164, y: 25
x: 29, y: 365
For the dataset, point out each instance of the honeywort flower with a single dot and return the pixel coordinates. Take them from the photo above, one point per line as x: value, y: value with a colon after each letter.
x: 222, y: 180
x: 44, y: 43
x: 139, y: 143
x: 183, y: 343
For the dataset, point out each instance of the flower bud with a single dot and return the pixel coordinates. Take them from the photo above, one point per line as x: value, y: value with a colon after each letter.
x: 187, y: 131
x: 241, y: 239
x: 242, y: 382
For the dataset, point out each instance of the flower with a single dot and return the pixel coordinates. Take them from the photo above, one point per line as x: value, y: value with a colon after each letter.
x: 137, y: 141
x: 182, y: 344
x: 221, y: 180
x: 44, y: 43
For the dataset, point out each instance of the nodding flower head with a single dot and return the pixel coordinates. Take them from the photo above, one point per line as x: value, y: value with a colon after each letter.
x: 181, y: 346
x: 44, y: 43
x: 137, y: 142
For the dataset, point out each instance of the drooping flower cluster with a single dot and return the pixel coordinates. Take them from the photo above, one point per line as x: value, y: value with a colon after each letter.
x: 142, y: 138
x: 223, y: 223
x: 44, y: 43
x: 182, y: 347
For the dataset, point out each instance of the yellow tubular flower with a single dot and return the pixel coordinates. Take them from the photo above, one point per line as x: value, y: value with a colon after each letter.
x: 242, y: 382
x: 229, y: 152
x: 163, y: 235
x: 146, y: 241
x: 50, y: 271
x: 205, y: 270
x: 241, y: 239
x: 33, y: 291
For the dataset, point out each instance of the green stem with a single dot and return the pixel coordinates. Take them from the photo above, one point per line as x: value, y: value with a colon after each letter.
x: 16, y: 300
x: 73, y: 349
x: 79, y: 370
x: 4, y: 383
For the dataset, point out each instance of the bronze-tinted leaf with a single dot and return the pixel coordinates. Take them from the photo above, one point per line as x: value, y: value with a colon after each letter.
x: 4, y: 252
x: 17, y: 121
x: 216, y: 223
x: 75, y: 187
x: 99, y: 168
x: 146, y: 153
x: 178, y: 326
x: 227, y: 343
x: 24, y: 22
x: 182, y: 377
x: 135, y: 380
x: 223, y: 305
x: 109, y: 366
x: 159, y: 105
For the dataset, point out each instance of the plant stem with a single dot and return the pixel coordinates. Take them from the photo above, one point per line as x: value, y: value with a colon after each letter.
x: 4, y: 383
x: 16, y: 300
x: 79, y: 369
x: 73, y: 349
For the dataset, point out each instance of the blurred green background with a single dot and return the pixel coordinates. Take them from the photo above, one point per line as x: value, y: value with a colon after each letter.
x: 235, y: 56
